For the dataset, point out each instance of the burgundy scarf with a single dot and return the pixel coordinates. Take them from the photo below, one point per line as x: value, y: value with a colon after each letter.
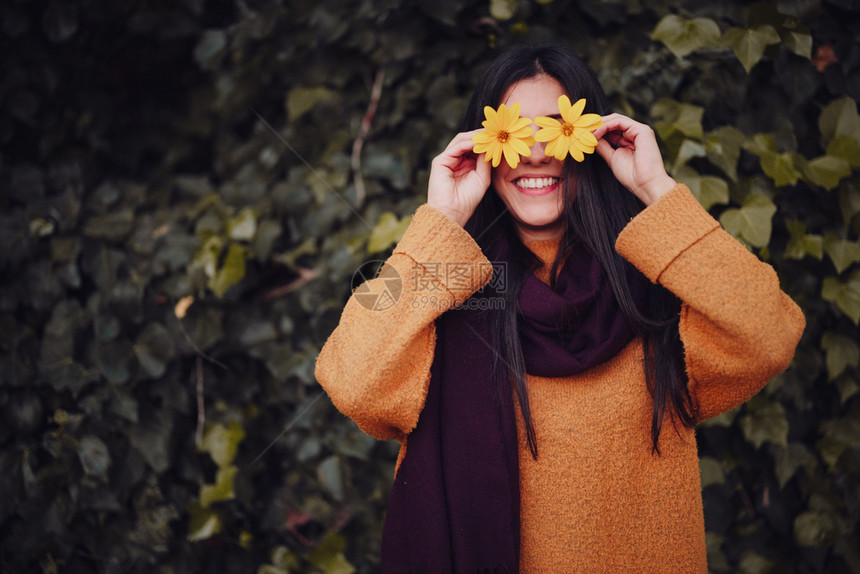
x: 454, y: 506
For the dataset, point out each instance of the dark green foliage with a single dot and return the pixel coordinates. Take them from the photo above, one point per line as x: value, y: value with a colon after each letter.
x: 188, y: 187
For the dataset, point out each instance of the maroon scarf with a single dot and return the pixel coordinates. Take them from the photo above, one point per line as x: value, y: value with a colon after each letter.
x: 454, y: 506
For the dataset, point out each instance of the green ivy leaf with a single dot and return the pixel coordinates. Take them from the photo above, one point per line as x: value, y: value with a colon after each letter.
x: 329, y: 557
x: 780, y: 167
x: 723, y: 148
x: 817, y: 528
x: 749, y: 44
x: 824, y: 171
x: 849, y: 201
x: 330, y: 475
x: 301, y: 100
x: 802, y: 244
x: 154, y: 349
x: 837, y: 436
x: 387, y: 232
x: 503, y: 9
x: 243, y: 226
x: 231, y: 272
x: 708, y: 190
x: 798, y: 42
x: 683, y: 36
x: 752, y: 221
x: 840, y: 118
x: 764, y: 421
x: 203, y: 523
x: 847, y: 148
x: 845, y: 295
x: 789, y: 459
x: 711, y: 471
x: 210, y: 49
x: 267, y: 233
x: 94, y: 456
x: 688, y: 150
x: 152, y: 438
x: 842, y: 252
x: 848, y: 386
x: 842, y: 352
x: 717, y: 561
x: 222, y: 442
x: 113, y: 226
x: 677, y: 118
x: 283, y: 561
x: 223, y: 487
x: 760, y: 144
x: 754, y: 563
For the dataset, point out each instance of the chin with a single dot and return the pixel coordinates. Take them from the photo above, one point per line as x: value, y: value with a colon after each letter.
x: 538, y: 224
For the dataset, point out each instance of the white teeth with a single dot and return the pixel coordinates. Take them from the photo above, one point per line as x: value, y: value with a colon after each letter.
x: 536, y: 182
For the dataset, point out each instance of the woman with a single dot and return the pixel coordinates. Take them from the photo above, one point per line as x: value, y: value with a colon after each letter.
x: 546, y: 411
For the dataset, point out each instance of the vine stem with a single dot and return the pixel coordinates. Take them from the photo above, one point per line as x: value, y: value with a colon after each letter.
x: 201, y: 407
x: 358, y: 144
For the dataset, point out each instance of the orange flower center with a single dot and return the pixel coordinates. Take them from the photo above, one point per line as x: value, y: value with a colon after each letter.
x: 567, y: 129
x: 503, y: 136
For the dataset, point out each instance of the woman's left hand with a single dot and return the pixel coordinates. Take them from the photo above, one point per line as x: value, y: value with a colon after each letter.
x: 630, y: 149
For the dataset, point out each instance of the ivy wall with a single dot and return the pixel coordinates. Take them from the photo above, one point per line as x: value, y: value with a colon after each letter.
x: 189, y: 186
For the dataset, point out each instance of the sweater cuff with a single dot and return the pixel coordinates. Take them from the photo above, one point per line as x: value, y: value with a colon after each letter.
x: 443, y: 249
x: 662, y: 231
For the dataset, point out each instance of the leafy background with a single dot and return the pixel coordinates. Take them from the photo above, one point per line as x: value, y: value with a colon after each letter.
x: 188, y: 187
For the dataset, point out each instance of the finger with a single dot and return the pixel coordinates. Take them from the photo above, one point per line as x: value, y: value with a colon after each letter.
x: 614, y: 122
x: 460, y: 145
x: 605, y: 150
x: 483, y: 169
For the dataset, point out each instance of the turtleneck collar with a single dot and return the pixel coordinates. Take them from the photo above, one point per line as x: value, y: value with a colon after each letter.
x: 546, y: 250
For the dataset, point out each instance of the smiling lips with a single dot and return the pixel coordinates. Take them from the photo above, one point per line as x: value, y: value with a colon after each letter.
x: 536, y: 186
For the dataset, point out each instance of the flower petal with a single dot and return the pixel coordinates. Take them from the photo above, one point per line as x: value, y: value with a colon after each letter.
x: 547, y: 122
x: 496, y: 153
x: 520, y: 124
x: 490, y: 114
x: 512, y: 157
x: 483, y: 137
x: 590, y: 121
x: 520, y: 146
x: 576, y: 153
x: 575, y: 111
x: 523, y: 132
x: 563, y: 105
x: 548, y: 134
x: 557, y: 148
x: 587, y: 138
x: 480, y: 147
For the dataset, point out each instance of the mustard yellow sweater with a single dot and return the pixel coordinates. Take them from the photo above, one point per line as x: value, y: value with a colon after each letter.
x: 596, y: 499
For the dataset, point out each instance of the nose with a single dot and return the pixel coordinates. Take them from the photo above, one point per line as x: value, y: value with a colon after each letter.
x: 538, y: 150
x: 538, y: 155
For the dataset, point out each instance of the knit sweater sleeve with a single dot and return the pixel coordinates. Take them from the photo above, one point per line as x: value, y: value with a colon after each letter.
x: 375, y: 366
x: 738, y: 328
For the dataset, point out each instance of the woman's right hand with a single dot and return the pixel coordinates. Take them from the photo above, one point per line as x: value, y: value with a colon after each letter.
x: 458, y: 179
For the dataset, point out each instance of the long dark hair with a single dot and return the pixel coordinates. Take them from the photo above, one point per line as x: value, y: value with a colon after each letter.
x: 596, y: 209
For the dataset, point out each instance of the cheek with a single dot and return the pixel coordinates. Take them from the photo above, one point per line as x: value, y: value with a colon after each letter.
x: 500, y: 185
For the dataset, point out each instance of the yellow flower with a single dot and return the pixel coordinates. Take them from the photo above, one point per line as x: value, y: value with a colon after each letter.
x: 505, y: 133
x: 571, y: 134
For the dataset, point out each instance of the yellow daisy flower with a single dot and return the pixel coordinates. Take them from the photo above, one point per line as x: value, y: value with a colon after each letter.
x: 506, y: 134
x: 571, y: 134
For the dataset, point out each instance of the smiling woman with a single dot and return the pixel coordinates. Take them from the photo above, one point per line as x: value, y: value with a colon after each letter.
x: 535, y: 427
